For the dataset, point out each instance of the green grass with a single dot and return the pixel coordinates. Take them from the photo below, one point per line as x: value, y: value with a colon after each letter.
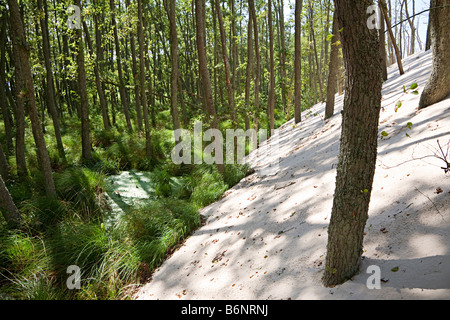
x: 71, y: 229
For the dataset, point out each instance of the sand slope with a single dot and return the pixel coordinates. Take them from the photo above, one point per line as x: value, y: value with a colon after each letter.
x: 266, y: 239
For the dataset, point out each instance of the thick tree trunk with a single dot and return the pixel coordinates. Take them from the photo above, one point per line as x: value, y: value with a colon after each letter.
x: 298, y: 62
x: 358, y: 151
x: 26, y: 96
x: 333, y: 70
x: 438, y: 85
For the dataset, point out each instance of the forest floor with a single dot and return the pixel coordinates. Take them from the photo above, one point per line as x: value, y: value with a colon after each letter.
x: 266, y: 238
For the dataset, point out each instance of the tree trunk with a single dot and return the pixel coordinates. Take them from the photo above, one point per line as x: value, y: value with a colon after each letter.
x: 251, y: 5
x: 3, y: 100
x: 26, y: 96
x: 171, y: 11
x: 204, y: 73
x: 50, y: 94
x: 391, y: 35
x: 271, y: 102
x: 122, y: 92
x: 358, y: 151
x: 438, y: 85
x: 148, y: 144
x: 228, y: 83
x: 333, y: 70
x: 383, y: 52
x: 86, y: 148
x: 203, y: 64
x: 249, y: 71
x: 7, y: 206
x: 298, y: 62
x: 98, y: 67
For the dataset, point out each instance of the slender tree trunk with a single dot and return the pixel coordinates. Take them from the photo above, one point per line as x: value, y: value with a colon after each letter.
x: 333, y: 70
x: 438, y: 85
x: 358, y: 151
x: 203, y: 66
x: 26, y: 96
x: 50, y: 94
x: 98, y: 67
x: 171, y: 11
x: 383, y: 52
x: 249, y: 71
x: 391, y: 35
x: 298, y: 61
x: 86, y: 148
x: 271, y: 102
x: 251, y: 5
x: 282, y: 55
x: 122, y: 92
x: 228, y: 82
x: 140, y: 32
x: 204, y: 73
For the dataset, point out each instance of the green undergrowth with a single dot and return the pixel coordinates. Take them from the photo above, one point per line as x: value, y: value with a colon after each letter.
x: 71, y: 230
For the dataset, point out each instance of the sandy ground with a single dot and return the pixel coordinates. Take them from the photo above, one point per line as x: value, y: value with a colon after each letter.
x: 266, y: 238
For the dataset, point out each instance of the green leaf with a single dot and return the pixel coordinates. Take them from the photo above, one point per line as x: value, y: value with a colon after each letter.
x: 337, y: 43
x: 404, y: 89
x: 414, y: 86
x: 384, y: 134
x: 409, y: 125
x: 394, y: 269
x: 398, y: 105
x: 415, y: 92
x: 329, y: 37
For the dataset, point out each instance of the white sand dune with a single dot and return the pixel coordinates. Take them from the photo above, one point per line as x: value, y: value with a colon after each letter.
x: 266, y: 238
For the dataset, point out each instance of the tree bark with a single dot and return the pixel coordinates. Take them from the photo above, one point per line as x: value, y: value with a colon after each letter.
x: 50, y: 94
x: 391, y: 35
x: 122, y: 92
x: 98, y: 67
x: 26, y: 96
x: 271, y: 102
x: 86, y: 148
x: 358, y: 151
x: 7, y: 206
x: 298, y: 62
x: 333, y: 70
x: 228, y: 82
x: 148, y: 144
x: 251, y: 5
x: 249, y: 71
x: 171, y: 11
x: 438, y: 85
x: 203, y: 64
x: 383, y: 51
